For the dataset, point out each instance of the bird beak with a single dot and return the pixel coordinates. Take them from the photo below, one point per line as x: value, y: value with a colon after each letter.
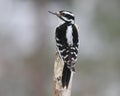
x: 55, y: 13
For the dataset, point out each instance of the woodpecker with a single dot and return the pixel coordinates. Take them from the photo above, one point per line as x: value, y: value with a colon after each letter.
x: 67, y: 42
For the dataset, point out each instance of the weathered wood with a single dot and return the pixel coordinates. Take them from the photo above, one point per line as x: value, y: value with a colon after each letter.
x: 58, y: 68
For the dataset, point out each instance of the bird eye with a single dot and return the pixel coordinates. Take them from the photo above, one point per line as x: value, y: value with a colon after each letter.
x: 63, y: 14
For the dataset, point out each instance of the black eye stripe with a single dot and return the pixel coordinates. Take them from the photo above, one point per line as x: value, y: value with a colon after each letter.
x: 69, y: 16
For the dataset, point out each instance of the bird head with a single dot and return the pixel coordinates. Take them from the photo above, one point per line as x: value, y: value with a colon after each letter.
x: 66, y: 16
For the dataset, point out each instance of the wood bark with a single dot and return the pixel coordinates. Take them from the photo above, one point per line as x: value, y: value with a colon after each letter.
x: 58, y: 68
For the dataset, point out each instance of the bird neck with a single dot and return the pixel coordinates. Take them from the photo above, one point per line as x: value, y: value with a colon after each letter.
x: 69, y: 23
x: 62, y: 21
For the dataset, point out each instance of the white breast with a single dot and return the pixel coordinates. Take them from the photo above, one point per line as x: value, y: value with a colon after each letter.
x: 69, y: 35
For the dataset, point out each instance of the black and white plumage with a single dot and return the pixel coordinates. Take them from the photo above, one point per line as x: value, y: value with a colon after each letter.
x: 67, y: 42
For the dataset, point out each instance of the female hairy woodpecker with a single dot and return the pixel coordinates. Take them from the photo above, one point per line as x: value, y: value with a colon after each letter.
x: 67, y: 43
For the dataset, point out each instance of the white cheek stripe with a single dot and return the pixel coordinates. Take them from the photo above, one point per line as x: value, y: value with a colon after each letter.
x: 66, y: 19
x: 69, y: 13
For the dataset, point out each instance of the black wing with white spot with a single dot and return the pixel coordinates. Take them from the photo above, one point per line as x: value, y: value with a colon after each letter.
x: 68, y: 52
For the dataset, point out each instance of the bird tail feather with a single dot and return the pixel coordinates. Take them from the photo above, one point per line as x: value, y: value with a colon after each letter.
x: 66, y: 74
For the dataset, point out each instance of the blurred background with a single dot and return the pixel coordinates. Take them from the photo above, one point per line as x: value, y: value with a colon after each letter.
x: 27, y: 47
